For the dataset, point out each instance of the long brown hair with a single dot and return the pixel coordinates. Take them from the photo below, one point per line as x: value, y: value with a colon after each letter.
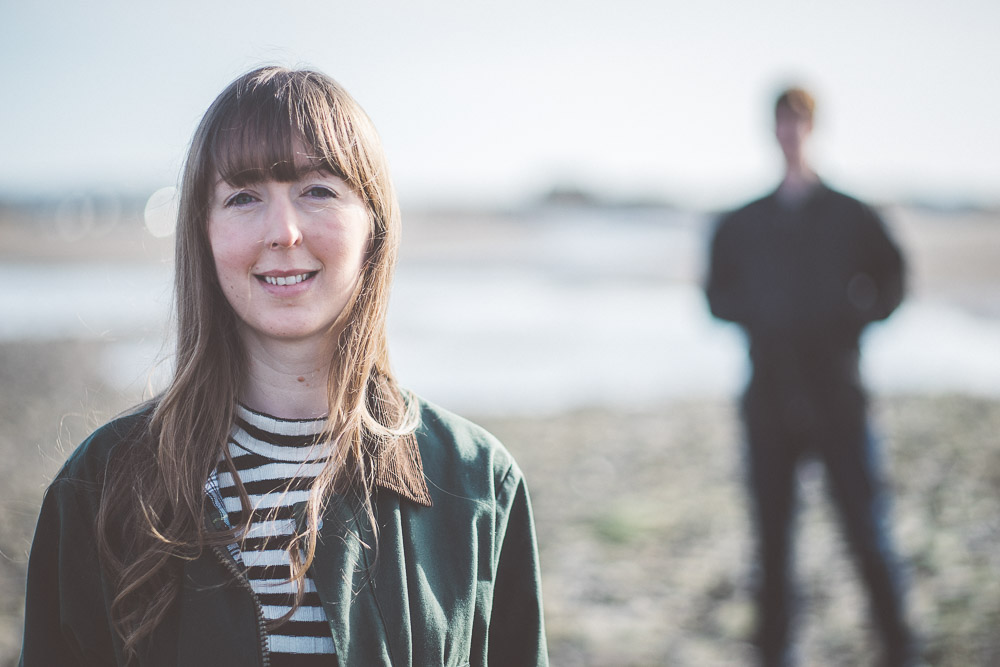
x: 152, y: 512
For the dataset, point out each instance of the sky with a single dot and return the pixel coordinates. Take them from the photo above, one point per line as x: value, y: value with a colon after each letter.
x: 497, y: 103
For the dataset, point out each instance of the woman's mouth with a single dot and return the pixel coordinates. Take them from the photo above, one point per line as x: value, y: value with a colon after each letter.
x: 287, y: 280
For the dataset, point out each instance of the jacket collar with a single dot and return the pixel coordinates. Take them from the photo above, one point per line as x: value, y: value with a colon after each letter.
x: 398, y: 468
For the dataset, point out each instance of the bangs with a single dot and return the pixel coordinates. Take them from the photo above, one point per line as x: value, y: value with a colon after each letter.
x: 270, y: 132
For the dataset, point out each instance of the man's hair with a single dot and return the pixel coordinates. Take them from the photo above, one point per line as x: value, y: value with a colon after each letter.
x: 797, y: 100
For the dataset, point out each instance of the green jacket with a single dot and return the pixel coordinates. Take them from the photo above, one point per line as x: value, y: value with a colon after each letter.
x: 455, y: 582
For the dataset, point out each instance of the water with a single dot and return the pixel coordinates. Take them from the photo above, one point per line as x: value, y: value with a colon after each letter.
x: 559, y: 317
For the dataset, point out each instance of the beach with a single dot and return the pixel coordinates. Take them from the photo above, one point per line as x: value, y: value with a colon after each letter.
x: 644, y: 536
x: 641, y: 517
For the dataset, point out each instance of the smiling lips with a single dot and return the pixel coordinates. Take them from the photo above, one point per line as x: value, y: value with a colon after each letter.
x: 287, y: 280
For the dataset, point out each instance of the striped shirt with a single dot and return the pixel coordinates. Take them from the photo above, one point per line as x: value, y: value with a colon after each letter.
x: 277, y: 460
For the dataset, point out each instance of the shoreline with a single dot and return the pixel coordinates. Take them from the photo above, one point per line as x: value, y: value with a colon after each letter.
x: 952, y: 256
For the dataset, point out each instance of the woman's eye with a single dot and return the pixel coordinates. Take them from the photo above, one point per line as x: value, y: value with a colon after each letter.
x: 320, y: 192
x: 239, y: 199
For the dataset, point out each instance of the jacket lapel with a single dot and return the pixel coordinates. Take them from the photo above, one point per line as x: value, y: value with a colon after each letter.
x: 346, y: 578
x: 360, y: 584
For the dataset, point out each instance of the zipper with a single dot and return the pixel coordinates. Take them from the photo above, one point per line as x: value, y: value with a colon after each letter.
x: 230, y: 564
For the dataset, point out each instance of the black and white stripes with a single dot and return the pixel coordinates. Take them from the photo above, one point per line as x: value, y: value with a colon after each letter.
x: 277, y: 460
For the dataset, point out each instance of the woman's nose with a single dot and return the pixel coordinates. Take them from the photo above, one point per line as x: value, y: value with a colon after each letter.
x: 283, y: 229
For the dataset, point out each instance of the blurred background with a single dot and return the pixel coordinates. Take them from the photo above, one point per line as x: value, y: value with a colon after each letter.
x: 560, y: 165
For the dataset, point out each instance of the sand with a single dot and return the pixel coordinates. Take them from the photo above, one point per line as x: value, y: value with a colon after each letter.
x: 645, y: 547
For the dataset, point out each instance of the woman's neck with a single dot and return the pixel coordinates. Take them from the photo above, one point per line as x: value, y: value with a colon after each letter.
x: 287, y: 379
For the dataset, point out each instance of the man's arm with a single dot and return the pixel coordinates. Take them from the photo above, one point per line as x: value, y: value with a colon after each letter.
x: 876, y: 290
x: 723, y: 287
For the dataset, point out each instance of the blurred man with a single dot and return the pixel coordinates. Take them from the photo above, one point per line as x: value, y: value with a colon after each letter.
x: 803, y: 271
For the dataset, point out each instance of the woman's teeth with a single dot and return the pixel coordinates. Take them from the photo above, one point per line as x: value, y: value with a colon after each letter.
x: 285, y: 280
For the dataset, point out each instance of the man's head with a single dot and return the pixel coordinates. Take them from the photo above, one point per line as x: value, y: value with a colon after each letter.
x: 793, y: 122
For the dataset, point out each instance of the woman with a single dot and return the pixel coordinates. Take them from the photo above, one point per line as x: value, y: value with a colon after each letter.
x: 284, y: 502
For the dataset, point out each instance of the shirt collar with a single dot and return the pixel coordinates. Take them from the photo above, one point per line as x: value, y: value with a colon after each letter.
x: 396, y: 463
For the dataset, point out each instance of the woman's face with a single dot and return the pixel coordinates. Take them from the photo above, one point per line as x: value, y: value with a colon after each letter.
x: 288, y: 255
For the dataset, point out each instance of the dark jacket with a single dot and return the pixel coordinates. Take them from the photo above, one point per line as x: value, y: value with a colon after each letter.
x: 455, y: 582
x: 803, y: 281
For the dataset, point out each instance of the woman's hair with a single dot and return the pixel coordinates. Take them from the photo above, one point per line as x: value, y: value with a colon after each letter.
x: 152, y: 512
